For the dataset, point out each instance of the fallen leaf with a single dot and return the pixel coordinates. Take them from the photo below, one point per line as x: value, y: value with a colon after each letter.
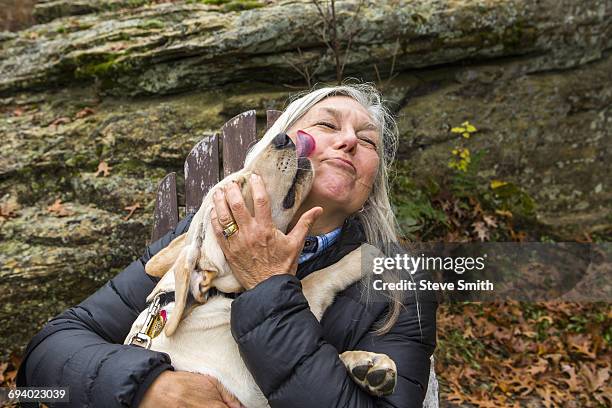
x: 481, y: 230
x: 540, y: 367
x: 581, y: 344
x: 103, y: 168
x: 519, y: 236
x: 118, y: 47
x: 58, y: 209
x: 504, y: 213
x: 60, y: 121
x: 593, y: 377
x: 9, y: 208
x: 572, y: 382
x: 18, y: 112
x: 9, y: 376
x: 490, y: 221
x: 131, y: 209
x: 83, y: 113
x: 15, y: 360
x: 497, y: 184
x: 3, y: 367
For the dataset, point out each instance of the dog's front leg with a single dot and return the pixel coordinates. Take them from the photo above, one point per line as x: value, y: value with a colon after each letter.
x: 320, y: 287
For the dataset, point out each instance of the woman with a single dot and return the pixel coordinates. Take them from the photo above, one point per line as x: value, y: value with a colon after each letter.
x: 293, y: 358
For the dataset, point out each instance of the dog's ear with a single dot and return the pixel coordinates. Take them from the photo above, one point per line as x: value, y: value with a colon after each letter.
x: 164, y: 259
x: 182, y: 272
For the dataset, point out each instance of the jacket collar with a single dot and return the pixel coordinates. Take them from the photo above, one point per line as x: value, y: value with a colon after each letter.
x: 351, y: 237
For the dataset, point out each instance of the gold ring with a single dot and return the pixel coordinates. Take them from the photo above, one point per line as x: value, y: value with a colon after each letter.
x: 230, y: 230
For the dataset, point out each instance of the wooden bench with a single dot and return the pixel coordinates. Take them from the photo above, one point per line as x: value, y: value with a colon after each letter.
x: 203, y: 170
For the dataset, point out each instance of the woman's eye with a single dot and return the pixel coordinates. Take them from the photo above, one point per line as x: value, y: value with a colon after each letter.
x: 368, y: 142
x: 329, y: 125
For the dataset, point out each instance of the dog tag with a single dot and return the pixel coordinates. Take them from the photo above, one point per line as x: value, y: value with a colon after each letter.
x: 157, y: 325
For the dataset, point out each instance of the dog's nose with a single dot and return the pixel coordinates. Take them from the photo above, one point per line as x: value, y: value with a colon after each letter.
x: 282, y: 141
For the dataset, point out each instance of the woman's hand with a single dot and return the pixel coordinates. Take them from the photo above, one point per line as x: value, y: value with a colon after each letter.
x: 258, y: 249
x: 180, y: 388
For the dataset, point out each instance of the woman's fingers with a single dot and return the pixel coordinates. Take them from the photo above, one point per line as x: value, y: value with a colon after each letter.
x: 306, y: 221
x: 261, y: 200
x: 216, y: 224
x: 222, y: 210
x: 236, y: 204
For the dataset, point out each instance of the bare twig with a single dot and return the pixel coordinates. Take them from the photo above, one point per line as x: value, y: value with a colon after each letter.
x: 351, y: 35
x: 332, y: 39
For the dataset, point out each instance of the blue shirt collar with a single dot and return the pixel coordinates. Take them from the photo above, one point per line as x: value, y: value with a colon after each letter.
x: 315, y: 244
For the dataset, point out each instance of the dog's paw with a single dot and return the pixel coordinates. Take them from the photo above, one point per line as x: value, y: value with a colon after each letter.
x: 376, y: 373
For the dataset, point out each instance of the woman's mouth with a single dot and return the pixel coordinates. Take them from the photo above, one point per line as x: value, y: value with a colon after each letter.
x: 342, y: 163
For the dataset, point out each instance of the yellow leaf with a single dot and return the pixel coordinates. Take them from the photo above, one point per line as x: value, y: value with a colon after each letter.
x: 458, y: 130
x: 466, y: 135
x: 504, y: 213
x: 497, y: 183
x: 470, y: 128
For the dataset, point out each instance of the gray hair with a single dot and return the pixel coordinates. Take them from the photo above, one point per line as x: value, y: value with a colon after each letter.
x: 376, y: 216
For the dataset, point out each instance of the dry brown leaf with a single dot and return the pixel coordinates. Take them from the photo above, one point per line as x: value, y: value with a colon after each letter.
x: 3, y: 367
x: 58, y: 209
x: 103, y: 168
x: 572, y: 382
x: 582, y: 344
x: 118, y: 47
x: 504, y: 213
x: 518, y: 236
x: 490, y: 221
x: 594, y: 378
x: 540, y: 367
x: 9, y: 208
x: 83, y: 113
x: 9, y: 376
x: 131, y: 209
x: 18, y: 112
x: 60, y: 121
x: 481, y: 230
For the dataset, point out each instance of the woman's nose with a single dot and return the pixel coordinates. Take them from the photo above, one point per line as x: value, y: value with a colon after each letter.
x: 347, y: 140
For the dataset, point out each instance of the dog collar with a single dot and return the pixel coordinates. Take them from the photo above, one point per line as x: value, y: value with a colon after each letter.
x: 154, y: 322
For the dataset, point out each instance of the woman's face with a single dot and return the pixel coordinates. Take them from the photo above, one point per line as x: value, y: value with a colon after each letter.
x: 345, y: 157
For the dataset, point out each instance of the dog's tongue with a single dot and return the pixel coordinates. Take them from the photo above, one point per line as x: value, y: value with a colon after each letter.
x: 305, y: 144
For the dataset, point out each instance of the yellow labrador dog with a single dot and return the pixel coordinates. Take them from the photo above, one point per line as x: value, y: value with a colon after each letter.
x: 197, y: 265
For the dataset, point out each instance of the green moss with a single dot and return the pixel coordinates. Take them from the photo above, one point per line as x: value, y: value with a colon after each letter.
x: 518, y: 35
x: 152, y: 24
x: 130, y: 167
x: 105, y: 68
x: 231, y: 5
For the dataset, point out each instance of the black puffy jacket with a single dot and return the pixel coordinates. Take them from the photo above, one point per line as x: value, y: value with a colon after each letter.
x: 293, y: 358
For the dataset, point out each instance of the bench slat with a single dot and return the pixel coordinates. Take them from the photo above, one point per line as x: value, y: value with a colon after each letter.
x: 165, y: 217
x: 239, y: 133
x: 271, y: 116
x: 201, y: 172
